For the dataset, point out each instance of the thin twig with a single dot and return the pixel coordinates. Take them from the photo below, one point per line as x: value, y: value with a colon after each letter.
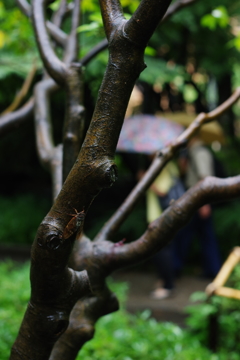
x: 16, y: 118
x: 178, y: 5
x: 22, y: 93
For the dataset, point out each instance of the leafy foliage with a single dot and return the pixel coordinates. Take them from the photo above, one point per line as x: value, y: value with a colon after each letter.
x: 15, y: 292
x: 19, y: 222
x: 227, y: 312
x: 218, y: 17
x: 132, y: 337
x: 17, y: 43
x: 126, y: 336
x: 158, y: 71
x: 129, y: 337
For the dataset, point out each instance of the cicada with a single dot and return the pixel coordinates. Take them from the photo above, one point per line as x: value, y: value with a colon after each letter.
x: 74, y: 224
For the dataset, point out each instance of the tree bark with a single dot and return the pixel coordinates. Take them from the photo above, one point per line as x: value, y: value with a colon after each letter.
x: 70, y: 285
x: 54, y: 287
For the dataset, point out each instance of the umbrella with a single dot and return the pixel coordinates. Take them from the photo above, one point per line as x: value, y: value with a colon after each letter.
x: 147, y: 133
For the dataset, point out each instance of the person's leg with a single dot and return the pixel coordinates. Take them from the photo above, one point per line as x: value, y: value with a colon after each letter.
x: 163, y: 261
x: 181, y: 245
x: 210, y: 250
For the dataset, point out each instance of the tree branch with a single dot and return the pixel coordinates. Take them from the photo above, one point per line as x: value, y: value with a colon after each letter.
x: 112, y: 15
x: 43, y: 126
x: 160, y: 160
x: 48, y: 311
x: 49, y: 155
x: 22, y: 93
x: 71, y: 50
x: 58, y: 16
x: 58, y: 35
x: 145, y: 20
x: 74, y: 118
x: 56, y: 68
x: 102, y: 45
x: 14, y: 119
x: 162, y: 230
x: 178, y: 5
x: 95, y: 168
x: 108, y: 257
x: 55, y: 288
x: 25, y: 7
x: 82, y: 323
x: 68, y: 74
x: 56, y: 170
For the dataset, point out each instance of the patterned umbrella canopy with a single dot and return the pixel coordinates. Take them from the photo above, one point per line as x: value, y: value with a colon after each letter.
x: 147, y: 134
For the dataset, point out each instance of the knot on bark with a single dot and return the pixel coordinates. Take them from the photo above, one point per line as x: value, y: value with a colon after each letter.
x: 106, y: 173
x: 50, y: 235
x: 70, y: 137
x: 121, y: 45
x: 48, y: 323
x: 111, y: 175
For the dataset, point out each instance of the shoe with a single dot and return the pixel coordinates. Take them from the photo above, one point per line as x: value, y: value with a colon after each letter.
x: 160, y: 294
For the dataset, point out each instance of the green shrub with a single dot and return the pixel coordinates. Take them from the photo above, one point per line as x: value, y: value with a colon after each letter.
x: 14, y: 295
x: 122, y: 336
x: 227, y: 313
x: 119, y: 336
x: 20, y: 217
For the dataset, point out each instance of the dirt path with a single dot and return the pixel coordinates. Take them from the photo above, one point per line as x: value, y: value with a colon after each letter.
x: 170, y: 309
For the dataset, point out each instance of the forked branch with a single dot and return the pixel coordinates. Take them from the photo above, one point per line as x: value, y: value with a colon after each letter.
x: 102, y: 258
x: 57, y: 34
x: 112, y: 15
x: 55, y: 67
x: 160, y: 160
x: 162, y: 230
x: 95, y: 168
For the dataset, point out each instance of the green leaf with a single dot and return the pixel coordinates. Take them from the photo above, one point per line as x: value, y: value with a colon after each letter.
x: 189, y: 93
x: 88, y: 27
x: 209, y: 21
x: 150, y: 51
x: 218, y: 17
x: 221, y: 14
x: 234, y: 43
x: 145, y: 314
x: 54, y: 6
x: 198, y: 296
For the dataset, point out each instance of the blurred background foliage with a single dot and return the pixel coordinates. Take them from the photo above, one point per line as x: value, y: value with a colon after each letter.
x: 225, y: 312
x: 193, y: 58
x: 125, y: 336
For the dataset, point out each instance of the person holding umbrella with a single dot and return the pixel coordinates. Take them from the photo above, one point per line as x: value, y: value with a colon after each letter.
x: 167, y: 187
x: 146, y: 134
x: 197, y: 166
